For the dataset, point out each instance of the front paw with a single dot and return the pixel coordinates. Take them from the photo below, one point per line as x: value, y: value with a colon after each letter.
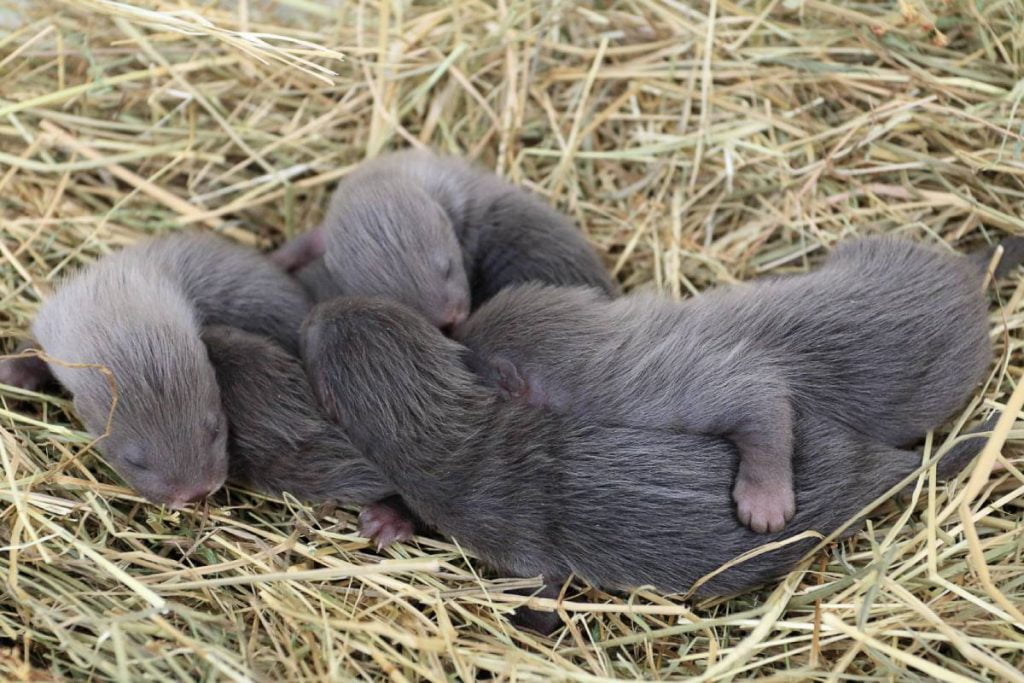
x: 764, y: 507
x: 385, y: 523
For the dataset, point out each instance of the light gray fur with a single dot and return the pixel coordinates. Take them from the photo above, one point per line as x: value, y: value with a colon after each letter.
x: 535, y: 492
x: 427, y: 230
x: 138, y: 312
x: 278, y: 442
x: 888, y: 338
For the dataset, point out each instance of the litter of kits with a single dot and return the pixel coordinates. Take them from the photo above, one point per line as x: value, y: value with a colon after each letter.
x: 448, y: 351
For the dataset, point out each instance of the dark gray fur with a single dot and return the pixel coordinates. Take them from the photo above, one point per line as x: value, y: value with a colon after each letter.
x: 888, y: 338
x: 427, y: 230
x: 138, y: 313
x: 317, y: 281
x: 278, y: 442
x: 534, y: 492
x: 29, y: 372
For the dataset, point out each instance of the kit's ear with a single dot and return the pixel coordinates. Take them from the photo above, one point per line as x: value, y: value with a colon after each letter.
x: 508, y: 378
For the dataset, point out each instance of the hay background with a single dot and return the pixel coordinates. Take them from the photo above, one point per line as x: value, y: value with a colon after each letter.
x: 696, y: 142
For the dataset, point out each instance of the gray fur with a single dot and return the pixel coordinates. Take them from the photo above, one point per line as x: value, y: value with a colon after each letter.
x: 427, y: 230
x: 229, y: 284
x: 317, y: 281
x: 888, y: 338
x: 138, y: 313
x: 278, y: 442
x: 535, y: 492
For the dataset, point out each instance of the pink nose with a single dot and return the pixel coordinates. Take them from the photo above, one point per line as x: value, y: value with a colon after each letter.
x: 192, y: 495
x: 452, y: 318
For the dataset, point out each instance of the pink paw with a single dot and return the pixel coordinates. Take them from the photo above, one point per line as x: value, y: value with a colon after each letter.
x: 384, y: 523
x: 764, y: 507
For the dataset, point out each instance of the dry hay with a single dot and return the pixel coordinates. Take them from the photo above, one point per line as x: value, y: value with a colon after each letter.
x: 696, y: 142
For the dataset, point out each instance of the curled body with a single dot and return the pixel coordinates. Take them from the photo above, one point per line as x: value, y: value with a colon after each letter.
x: 138, y: 314
x: 888, y: 338
x: 535, y: 492
x: 277, y: 440
x: 227, y: 283
x: 439, y: 235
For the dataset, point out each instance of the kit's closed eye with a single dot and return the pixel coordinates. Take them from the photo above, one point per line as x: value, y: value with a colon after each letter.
x: 135, y: 457
x: 216, y: 427
x: 444, y: 262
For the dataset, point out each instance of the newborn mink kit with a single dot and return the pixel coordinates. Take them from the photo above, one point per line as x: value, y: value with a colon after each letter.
x: 439, y: 235
x: 139, y: 313
x: 535, y: 492
x: 887, y: 337
x: 471, y: 354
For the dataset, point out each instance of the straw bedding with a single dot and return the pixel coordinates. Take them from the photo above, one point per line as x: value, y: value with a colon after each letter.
x: 696, y: 142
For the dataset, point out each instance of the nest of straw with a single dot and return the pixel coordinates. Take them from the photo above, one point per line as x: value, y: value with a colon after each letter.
x: 695, y: 143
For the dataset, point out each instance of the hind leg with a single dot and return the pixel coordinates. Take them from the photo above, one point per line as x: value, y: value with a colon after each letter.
x: 750, y: 407
x: 763, y: 492
x: 387, y: 521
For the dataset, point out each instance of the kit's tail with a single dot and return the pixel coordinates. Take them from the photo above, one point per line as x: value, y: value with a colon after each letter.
x: 957, y: 458
x: 1013, y: 256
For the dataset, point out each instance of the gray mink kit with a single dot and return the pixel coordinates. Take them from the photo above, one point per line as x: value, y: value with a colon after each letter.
x: 439, y: 234
x: 888, y: 338
x: 535, y: 492
x: 138, y: 312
